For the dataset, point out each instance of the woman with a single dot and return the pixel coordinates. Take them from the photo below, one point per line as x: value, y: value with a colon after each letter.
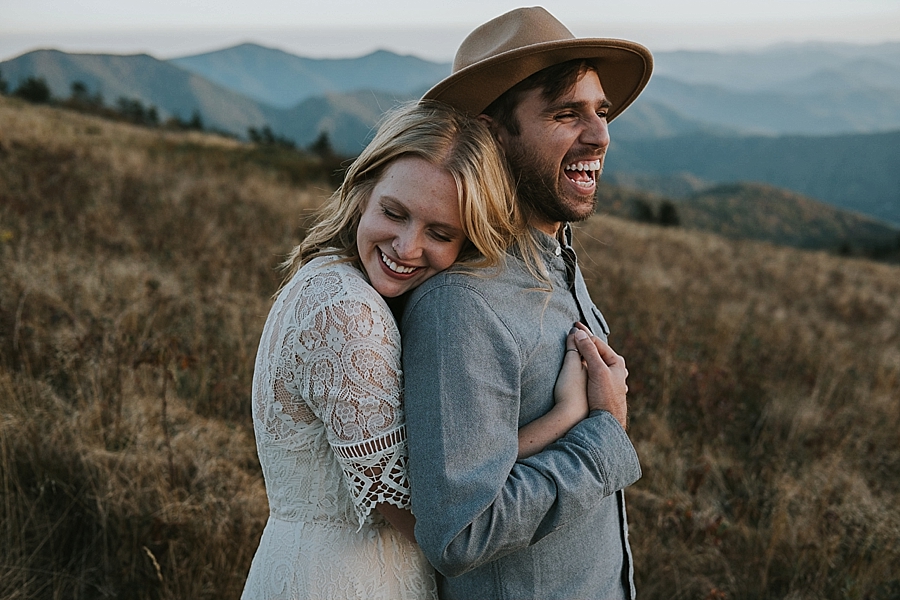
x: 429, y: 191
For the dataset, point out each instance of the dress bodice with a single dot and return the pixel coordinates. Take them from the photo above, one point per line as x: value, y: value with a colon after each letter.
x: 327, y: 399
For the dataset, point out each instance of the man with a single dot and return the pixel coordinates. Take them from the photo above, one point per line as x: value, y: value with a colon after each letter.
x: 481, y: 353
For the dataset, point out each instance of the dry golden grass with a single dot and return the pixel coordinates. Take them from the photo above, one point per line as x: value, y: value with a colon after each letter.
x: 765, y: 404
x: 136, y: 269
x: 131, y: 301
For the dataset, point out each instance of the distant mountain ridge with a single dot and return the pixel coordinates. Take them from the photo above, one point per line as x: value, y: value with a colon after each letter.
x: 811, y: 107
x: 859, y: 172
x: 764, y: 212
x: 797, y: 89
x: 348, y: 117
x: 695, y: 117
x: 760, y: 212
x: 810, y: 89
x: 284, y: 80
x: 780, y: 66
x: 171, y: 89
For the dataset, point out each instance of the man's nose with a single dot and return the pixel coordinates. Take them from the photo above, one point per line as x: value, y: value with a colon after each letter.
x: 596, y: 132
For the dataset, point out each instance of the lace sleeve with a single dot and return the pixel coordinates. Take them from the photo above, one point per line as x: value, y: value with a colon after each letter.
x: 352, y: 369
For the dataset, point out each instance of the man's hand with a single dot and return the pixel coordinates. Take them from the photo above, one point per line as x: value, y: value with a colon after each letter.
x: 606, y: 387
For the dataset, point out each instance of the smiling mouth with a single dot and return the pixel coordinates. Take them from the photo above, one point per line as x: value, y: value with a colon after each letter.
x: 399, y: 269
x: 584, y: 173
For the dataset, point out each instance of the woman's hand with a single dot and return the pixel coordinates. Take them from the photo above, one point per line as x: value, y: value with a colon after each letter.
x: 570, y: 391
x: 570, y: 404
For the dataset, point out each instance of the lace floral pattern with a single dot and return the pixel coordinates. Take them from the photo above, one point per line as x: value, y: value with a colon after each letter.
x: 328, y: 418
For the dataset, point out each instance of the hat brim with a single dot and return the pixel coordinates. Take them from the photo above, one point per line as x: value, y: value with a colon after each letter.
x: 624, y: 69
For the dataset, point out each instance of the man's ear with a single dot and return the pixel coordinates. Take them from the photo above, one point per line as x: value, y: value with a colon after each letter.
x: 499, y: 132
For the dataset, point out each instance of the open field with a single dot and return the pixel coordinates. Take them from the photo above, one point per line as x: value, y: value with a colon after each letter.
x: 136, y: 270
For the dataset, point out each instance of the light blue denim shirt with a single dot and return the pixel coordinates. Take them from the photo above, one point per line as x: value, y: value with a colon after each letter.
x: 481, y: 354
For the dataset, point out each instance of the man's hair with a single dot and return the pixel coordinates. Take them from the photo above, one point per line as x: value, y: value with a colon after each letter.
x: 553, y: 81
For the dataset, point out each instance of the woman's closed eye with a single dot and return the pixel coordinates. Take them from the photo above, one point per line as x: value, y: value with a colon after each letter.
x: 391, y: 214
x: 441, y: 236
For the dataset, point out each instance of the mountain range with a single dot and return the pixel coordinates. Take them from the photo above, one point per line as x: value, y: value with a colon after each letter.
x: 785, y: 66
x: 856, y: 171
x: 818, y: 119
x: 284, y: 80
x: 755, y: 211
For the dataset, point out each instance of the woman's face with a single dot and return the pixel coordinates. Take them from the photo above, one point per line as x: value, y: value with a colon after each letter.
x: 410, y: 228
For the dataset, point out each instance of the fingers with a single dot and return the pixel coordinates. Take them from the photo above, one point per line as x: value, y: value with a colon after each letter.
x: 570, y: 340
x: 590, y: 354
x: 606, y: 372
x: 609, y: 356
x: 572, y: 356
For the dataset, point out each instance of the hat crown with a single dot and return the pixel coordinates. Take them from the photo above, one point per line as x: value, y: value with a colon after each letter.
x: 514, y: 46
x: 516, y: 29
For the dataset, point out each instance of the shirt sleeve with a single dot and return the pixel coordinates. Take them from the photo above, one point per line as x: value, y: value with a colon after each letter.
x: 349, y: 363
x: 472, y: 499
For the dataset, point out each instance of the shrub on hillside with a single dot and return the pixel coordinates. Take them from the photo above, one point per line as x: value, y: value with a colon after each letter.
x: 266, y: 137
x: 668, y: 214
x: 33, y: 89
x: 134, y: 111
x: 81, y: 98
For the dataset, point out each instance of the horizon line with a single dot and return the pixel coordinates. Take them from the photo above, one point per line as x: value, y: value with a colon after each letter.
x: 435, y: 43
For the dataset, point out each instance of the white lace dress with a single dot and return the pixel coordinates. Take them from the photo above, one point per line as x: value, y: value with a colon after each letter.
x: 328, y: 418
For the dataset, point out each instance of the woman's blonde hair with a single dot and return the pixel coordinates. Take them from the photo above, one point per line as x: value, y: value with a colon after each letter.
x: 464, y: 147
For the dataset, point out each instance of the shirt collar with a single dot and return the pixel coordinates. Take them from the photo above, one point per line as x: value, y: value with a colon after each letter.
x: 551, y: 246
x: 551, y: 252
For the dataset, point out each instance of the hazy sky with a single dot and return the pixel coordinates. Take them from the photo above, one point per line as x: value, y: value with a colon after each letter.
x: 430, y: 29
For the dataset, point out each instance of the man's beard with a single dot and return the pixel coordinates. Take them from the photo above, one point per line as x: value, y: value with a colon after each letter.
x: 537, y: 187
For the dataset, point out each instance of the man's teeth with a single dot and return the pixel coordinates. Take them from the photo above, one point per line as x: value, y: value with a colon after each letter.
x: 395, y: 267
x: 593, y: 165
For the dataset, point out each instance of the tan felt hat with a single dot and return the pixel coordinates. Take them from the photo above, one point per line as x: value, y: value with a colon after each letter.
x: 515, y: 45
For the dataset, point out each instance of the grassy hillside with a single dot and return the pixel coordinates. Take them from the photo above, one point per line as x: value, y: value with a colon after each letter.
x: 753, y: 211
x: 764, y: 403
x: 763, y: 212
x: 136, y: 269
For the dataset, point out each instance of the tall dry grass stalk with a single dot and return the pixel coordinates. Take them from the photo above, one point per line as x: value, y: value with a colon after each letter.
x: 136, y: 269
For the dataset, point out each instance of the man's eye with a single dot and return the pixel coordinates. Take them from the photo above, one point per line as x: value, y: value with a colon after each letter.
x: 391, y: 214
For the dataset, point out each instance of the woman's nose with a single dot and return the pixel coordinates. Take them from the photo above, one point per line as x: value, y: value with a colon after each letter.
x: 407, y: 246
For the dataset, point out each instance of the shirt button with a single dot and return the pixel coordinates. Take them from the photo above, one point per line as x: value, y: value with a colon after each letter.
x: 558, y: 251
